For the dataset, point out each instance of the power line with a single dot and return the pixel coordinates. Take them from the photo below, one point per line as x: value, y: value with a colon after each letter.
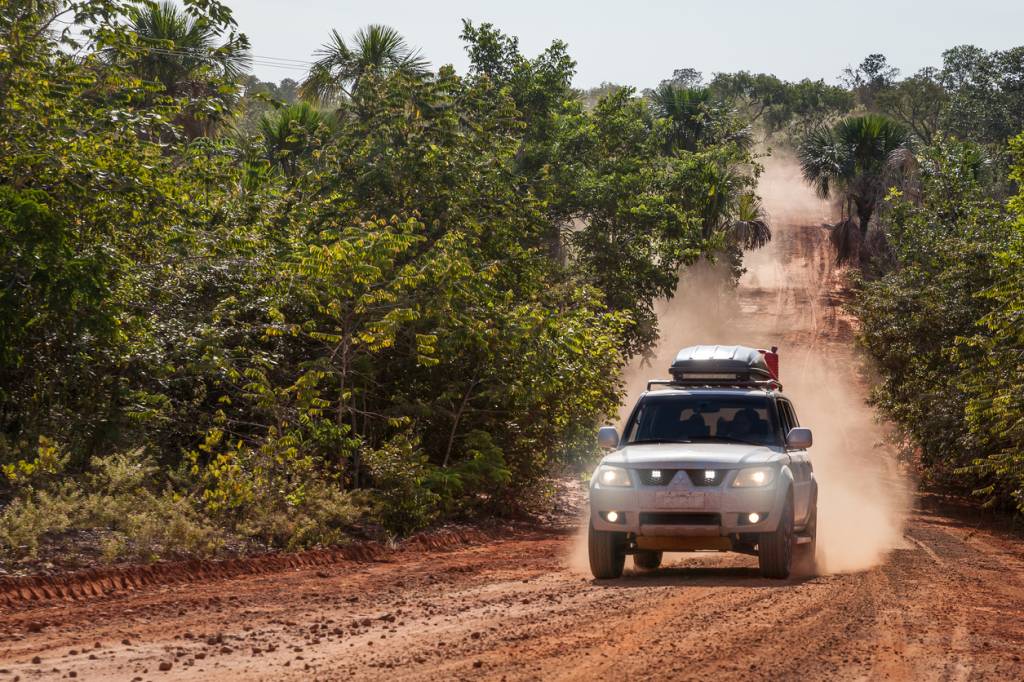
x: 286, y: 63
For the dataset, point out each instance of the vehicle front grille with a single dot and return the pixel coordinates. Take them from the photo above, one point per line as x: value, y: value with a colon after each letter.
x: 679, y: 519
x: 699, y: 478
x: 665, y: 476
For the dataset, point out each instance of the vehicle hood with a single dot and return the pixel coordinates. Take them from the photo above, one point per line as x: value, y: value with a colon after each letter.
x: 662, y: 454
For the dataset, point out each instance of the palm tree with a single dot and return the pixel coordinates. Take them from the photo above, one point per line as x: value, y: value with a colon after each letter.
x: 858, y: 159
x: 182, y: 54
x: 687, y: 110
x: 695, y: 119
x: 376, y: 49
x: 290, y: 133
x: 750, y: 229
x: 730, y: 208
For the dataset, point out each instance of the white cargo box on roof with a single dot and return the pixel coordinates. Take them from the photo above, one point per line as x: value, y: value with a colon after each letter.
x: 715, y: 365
x: 735, y: 362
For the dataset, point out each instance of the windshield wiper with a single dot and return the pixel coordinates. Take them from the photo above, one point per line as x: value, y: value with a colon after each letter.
x: 653, y: 441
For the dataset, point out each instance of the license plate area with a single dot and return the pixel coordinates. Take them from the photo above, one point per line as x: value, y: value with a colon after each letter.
x: 674, y: 499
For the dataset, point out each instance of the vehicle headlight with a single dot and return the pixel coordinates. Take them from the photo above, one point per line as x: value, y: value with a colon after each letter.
x: 755, y: 477
x: 613, y: 477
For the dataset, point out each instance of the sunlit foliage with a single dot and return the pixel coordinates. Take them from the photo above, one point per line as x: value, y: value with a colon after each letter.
x: 408, y: 298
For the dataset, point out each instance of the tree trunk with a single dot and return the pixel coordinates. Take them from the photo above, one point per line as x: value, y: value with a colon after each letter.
x: 864, y: 212
x: 455, y: 422
x: 341, y: 410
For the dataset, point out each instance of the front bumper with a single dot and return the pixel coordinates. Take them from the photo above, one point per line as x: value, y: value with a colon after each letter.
x: 684, y: 510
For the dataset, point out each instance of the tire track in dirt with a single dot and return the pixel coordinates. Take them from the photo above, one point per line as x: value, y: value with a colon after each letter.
x: 511, y: 609
x: 19, y: 591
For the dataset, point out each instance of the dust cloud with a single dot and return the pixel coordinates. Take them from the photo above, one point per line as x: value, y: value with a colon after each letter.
x: 789, y: 297
x: 862, y: 496
x: 577, y: 560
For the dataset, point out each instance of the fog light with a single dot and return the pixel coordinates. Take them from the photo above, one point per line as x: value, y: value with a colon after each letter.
x: 754, y: 518
x: 709, y: 475
x: 612, y: 517
x: 656, y: 475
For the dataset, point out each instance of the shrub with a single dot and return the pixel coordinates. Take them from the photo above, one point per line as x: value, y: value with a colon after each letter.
x: 118, y: 497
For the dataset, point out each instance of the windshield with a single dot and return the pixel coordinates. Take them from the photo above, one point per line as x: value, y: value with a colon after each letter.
x: 695, y: 418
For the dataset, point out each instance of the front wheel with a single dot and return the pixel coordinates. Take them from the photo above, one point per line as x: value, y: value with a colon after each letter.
x: 647, y: 559
x: 775, y: 550
x: 607, y: 552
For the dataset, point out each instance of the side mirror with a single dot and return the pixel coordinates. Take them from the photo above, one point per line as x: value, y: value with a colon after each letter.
x: 799, y: 438
x: 608, y: 438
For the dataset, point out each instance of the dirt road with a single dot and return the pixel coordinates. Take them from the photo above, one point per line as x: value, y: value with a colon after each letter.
x: 905, y: 593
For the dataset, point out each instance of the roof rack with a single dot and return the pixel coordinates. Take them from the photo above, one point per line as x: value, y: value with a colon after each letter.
x: 766, y: 384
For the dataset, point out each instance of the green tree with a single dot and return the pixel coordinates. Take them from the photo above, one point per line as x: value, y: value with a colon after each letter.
x: 58, y: 316
x: 375, y: 49
x: 686, y: 77
x: 689, y: 112
x: 78, y: 141
x: 293, y: 132
x: 646, y: 209
x: 750, y: 229
x: 872, y: 76
x: 922, y: 320
x: 778, y: 105
x: 178, y: 50
x: 986, y: 102
x: 420, y: 315
x: 918, y: 102
x: 259, y: 98
x: 854, y: 160
x: 991, y: 358
x: 539, y: 87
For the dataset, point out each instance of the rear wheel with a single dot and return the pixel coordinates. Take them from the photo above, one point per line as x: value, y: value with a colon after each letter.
x: 607, y: 553
x: 775, y: 550
x: 647, y: 559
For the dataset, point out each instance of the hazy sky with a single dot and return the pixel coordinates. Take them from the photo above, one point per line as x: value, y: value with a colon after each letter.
x: 641, y: 42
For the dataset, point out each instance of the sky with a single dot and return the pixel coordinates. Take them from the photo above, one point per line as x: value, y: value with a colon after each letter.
x: 641, y: 42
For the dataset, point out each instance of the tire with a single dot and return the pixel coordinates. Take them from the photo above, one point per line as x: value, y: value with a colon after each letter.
x: 607, y: 552
x: 647, y: 559
x: 775, y: 550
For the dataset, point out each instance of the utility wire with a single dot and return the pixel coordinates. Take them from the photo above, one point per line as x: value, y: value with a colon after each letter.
x: 255, y: 59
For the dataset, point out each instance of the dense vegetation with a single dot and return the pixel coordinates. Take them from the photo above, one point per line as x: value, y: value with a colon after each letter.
x: 929, y: 171
x: 244, y: 314
x: 241, y: 313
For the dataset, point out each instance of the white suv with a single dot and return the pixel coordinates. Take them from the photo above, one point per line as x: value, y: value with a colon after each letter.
x: 714, y: 460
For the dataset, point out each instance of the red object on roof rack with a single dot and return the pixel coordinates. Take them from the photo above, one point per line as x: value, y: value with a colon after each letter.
x: 771, y: 358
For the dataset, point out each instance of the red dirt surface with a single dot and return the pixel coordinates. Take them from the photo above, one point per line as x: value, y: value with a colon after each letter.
x: 922, y: 594
x: 24, y: 592
x: 948, y: 606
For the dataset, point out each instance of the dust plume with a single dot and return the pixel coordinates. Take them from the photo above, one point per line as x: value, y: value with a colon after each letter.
x: 789, y: 297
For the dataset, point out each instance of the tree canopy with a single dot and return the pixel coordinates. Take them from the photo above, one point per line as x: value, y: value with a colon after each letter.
x: 405, y: 298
